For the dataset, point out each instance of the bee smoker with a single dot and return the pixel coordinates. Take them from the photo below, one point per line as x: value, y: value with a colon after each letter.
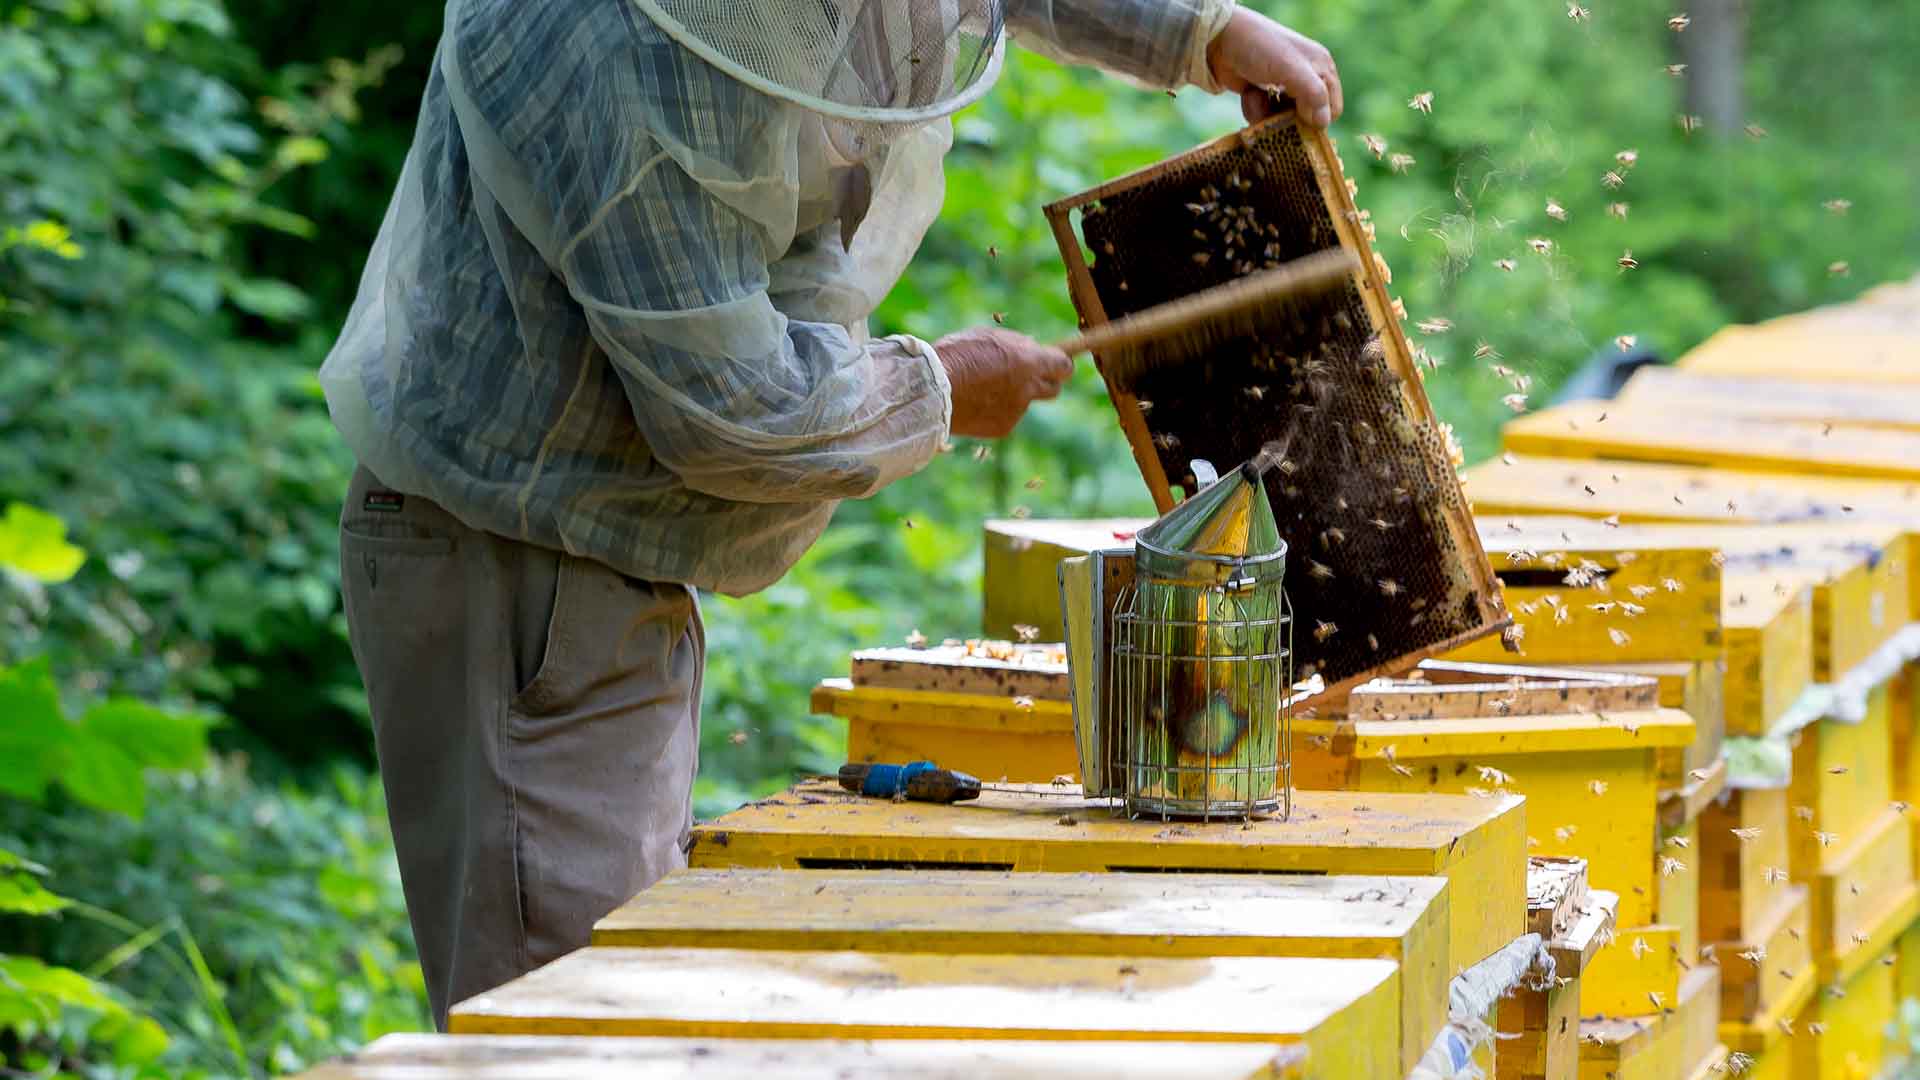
x: 1198, y: 661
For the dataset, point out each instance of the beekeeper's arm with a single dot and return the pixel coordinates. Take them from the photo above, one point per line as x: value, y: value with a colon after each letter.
x: 1167, y: 44
x: 671, y: 265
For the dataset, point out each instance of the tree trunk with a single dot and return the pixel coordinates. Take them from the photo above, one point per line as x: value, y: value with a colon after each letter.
x: 1714, y: 49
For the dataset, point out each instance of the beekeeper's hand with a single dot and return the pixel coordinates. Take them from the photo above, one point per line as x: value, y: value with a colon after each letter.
x: 1253, y: 53
x: 996, y: 374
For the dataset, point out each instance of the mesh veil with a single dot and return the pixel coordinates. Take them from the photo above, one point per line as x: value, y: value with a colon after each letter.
x: 875, y: 65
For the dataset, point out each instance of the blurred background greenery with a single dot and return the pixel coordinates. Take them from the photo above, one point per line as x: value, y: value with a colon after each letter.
x: 188, y: 191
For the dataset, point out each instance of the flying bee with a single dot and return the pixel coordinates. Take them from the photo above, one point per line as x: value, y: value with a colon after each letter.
x: 1035, y: 483
x: 1826, y: 838
x: 1516, y: 402
x: 1670, y: 866
x: 1627, y: 261
x: 1166, y: 440
x: 1321, y: 571
x: 1484, y: 351
x: 1755, y: 131
x: 1671, y: 585
x: 1837, y: 770
x: 1255, y: 392
x: 1838, y: 206
x: 1380, y: 523
x: 1541, y: 245
x: 1333, y: 534
x: 992, y: 252
x: 1612, y: 180
x: 1773, y: 875
x: 1576, y: 12
x: 1565, y: 832
x: 1676, y: 70
x: 1434, y: 325
x: 1422, y: 102
x: 1838, y: 269
x: 1617, y: 211
x: 1375, y: 145
x: 1389, y: 587
x: 1505, y: 264
x: 1611, y: 521
x: 1598, y: 787
x: 1618, y: 636
x: 1000, y: 318
x: 1679, y: 22
x: 1689, y: 123
x: 1026, y: 633
x: 1626, y: 342
x: 1556, y: 211
x: 1400, y: 163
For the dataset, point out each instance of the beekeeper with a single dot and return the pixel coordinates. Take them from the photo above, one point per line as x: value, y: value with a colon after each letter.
x: 610, y: 347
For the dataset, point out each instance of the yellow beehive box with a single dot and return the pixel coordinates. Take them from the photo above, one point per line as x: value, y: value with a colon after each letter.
x: 520, y: 1057
x: 1850, y: 1041
x: 1608, y: 430
x: 1657, y: 1046
x: 1839, y: 403
x: 1903, y: 720
x: 1842, y: 779
x: 1745, y: 851
x: 1773, y: 965
x: 1864, y: 895
x: 1590, y: 779
x: 1539, y: 1026
x: 1764, y: 1042
x: 1403, y: 919
x: 1480, y: 843
x: 1568, y: 582
x: 1676, y: 883
x: 1022, y: 563
x: 1640, y: 971
x: 1769, y: 648
x: 1022, y: 739
x: 1848, y: 352
x: 1341, y: 1010
x: 1694, y: 687
x: 1906, y: 967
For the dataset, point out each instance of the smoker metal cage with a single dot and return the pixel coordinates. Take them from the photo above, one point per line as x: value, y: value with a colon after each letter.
x: 1200, y: 676
x: 1384, y: 560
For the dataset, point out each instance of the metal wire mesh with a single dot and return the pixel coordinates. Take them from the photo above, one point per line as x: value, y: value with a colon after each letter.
x: 1200, y: 673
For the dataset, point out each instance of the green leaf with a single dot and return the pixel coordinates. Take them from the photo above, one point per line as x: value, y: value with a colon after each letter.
x: 33, y: 992
x: 21, y: 895
x: 268, y: 299
x: 35, y: 543
x: 104, y: 775
x: 155, y: 737
x: 32, y: 729
x: 301, y: 150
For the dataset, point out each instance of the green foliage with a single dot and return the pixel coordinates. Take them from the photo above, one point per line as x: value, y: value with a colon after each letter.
x: 279, y: 929
x: 144, y: 399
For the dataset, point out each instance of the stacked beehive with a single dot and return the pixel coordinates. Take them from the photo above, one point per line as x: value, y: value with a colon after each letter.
x: 1808, y: 893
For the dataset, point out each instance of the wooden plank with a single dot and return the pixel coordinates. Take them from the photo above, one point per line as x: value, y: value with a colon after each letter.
x: 1556, y: 894
x: 1676, y: 436
x: 1846, y: 404
x: 1744, y: 852
x: 1697, y: 688
x: 815, y: 825
x: 1591, y: 780
x: 1643, y: 492
x: 553, y: 1057
x: 1677, y: 883
x: 1590, y: 933
x: 1403, y: 919
x: 1767, y: 1033
x: 1683, y: 804
x: 1445, y: 688
x: 1822, y: 349
x: 1655, y: 1046
x: 993, y: 668
x: 1343, y: 1007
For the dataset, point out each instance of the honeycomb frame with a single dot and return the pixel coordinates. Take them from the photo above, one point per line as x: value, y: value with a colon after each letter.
x: 1443, y: 588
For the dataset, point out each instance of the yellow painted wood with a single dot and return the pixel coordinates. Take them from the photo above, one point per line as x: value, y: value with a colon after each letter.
x: 1462, y: 838
x: 1627, y: 976
x: 1697, y: 688
x: 1678, y: 437
x: 1776, y: 1064
x: 1017, y: 739
x: 1658, y: 1046
x: 1769, y: 649
x: 1532, y: 561
x: 1022, y: 558
x: 1650, y: 492
x: 1539, y: 1033
x: 1851, y: 1042
x: 1765, y: 969
x: 1906, y: 968
x: 571, y: 1057
x: 1738, y: 902
x: 1555, y: 761
x: 1766, y: 1036
x: 1781, y: 351
x: 1842, y: 781
x: 1903, y: 721
x: 1701, y: 788
x: 1714, y: 1066
x: 1800, y: 399
x: 1863, y: 895
x: 1677, y: 884
x: 1591, y: 933
x: 1403, y: 919
x: 1341, y: 1009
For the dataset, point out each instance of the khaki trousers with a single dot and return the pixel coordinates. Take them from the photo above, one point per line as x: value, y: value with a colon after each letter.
x: 537, y: 720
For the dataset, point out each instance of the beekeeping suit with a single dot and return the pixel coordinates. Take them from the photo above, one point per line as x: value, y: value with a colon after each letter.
x: 610, y: 346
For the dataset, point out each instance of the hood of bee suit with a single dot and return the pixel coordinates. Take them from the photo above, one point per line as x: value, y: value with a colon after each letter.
x: 877, y: 65
x: 1227, y: 529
